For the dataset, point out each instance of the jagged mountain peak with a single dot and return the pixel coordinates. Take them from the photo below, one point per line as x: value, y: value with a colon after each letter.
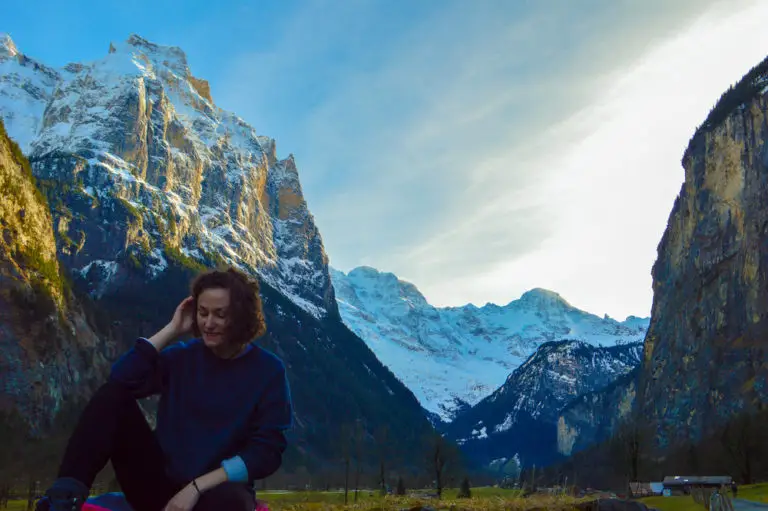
x: 567, y: 347
x: 172, y: 56
x: 542, y: 298
x: 7, y: 46
x: 176, y: 176
x: 285, y: 169
x: 553, y: 351
x: 375, y: 286
x: 369, y: 272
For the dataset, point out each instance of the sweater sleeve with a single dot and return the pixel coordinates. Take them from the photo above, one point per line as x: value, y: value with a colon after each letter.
x: 235, y: 469
x: 142, y: 370
x: 263, y: 453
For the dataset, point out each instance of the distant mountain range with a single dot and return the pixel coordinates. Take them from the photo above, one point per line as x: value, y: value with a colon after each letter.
x: 453, y: 357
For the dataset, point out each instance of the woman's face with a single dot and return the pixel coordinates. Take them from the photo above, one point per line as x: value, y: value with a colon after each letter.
x: 213, y: 316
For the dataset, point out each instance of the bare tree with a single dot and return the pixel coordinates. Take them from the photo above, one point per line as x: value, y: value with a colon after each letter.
x: 438, y: 453
x: 346, y: 455
x: 381, y: 436
x: 739, y: 443
x: 627, y: 448
x: 32, y: 491
x: 359, y: 436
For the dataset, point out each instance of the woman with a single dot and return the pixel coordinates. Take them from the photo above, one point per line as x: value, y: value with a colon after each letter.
x: 224, y: 406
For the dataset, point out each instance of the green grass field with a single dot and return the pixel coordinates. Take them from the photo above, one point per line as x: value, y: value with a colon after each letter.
x: 17, y: 505
x: 337, y: 497
x: 755, y: 492
x: 483, y: 498
x: 672, y: 503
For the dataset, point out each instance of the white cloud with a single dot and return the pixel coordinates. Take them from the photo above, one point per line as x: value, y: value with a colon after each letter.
x: 613, y: 190
x: 481, y: 151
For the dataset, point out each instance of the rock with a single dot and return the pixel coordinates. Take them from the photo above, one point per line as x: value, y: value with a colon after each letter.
x: 48, y: 351
x: 705, y: 357
x: 594, y: 417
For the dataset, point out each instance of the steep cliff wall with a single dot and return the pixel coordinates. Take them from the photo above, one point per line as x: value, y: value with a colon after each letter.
x: 704, y: 356
x: 47, y: 347
x: 593, y: 417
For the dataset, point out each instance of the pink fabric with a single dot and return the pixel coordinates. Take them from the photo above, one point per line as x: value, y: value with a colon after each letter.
x: 260, y: 506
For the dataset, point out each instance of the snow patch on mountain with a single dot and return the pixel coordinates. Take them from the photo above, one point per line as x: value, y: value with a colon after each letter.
x: 453, y: 357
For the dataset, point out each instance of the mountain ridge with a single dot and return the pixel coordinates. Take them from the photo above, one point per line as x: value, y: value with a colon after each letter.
x: 532, y: 294
x: 452, y: 357
x: 520, y: 418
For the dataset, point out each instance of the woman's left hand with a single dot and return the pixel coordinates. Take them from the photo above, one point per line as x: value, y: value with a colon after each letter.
x: 185, y: 500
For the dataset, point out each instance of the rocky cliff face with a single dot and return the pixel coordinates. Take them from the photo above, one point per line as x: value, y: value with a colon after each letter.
x: 705, y: 355
x: 520, y: 419
x: 594, y: 417
x: 146, y: 168
x: 47, y: 347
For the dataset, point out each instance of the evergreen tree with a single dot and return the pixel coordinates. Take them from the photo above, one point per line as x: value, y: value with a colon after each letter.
x: 400, y: 486
x: 464, y: 491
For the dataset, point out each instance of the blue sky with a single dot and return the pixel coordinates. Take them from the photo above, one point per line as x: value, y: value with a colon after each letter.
x: 476, y: 148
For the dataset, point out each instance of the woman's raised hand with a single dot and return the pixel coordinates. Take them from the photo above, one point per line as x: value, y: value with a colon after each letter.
x: 183, y: 317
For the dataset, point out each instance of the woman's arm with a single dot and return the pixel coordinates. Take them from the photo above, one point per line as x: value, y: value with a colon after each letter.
x: 187, y: 497
x: 143, y: 369
x: 163, y: 337
x: 210, y: 480
x: 263, y: 453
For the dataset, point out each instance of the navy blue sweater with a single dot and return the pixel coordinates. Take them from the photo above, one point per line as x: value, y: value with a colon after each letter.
x: 212, y: 409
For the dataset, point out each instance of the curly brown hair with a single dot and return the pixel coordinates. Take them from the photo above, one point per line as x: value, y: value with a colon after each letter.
x: 245, y: 309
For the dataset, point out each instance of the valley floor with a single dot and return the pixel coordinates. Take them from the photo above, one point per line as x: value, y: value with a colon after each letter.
x: 494, y: 499
x: 750, y: 498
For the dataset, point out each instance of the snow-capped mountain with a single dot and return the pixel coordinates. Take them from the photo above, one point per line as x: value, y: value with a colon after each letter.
x: 520, y: 418
x: 453, y: 357
x: 136, y: 134
x: 135, y: 182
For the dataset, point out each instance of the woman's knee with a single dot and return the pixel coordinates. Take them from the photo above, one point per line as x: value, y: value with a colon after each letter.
x: 111, y: 395
x: 112, y: 390
x: 229, y: 495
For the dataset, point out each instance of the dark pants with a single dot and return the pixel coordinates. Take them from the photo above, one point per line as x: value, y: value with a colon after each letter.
x: 112, y: 428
